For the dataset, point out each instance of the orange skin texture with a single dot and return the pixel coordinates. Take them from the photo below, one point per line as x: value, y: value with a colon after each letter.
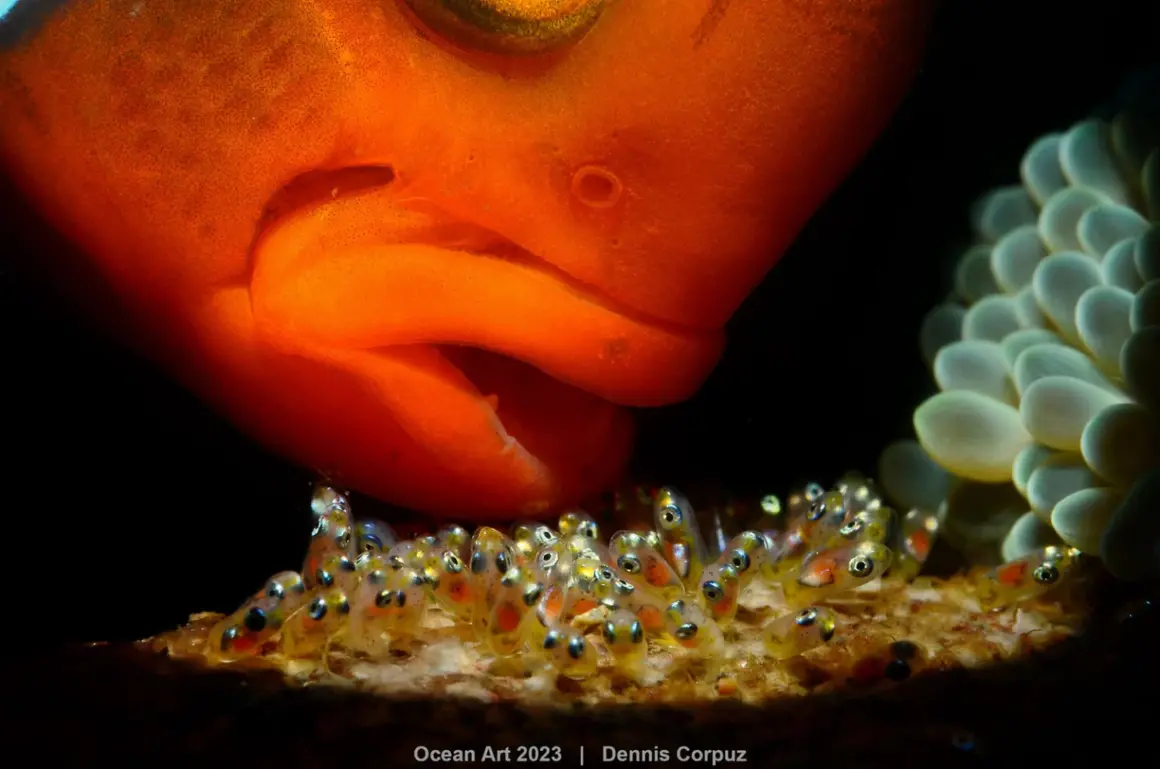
x: 598, y: 214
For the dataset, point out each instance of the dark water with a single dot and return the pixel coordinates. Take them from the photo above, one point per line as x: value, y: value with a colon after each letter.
x: 129, y: 505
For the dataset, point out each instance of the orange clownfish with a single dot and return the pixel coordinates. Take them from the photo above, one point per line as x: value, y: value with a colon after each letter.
x: 433, y: 248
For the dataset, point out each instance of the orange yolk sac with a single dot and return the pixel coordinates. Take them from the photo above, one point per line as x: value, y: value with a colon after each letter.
x: 433, y: 249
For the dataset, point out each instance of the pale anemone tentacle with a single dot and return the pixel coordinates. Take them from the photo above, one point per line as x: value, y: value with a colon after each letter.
x: 1048, y: 360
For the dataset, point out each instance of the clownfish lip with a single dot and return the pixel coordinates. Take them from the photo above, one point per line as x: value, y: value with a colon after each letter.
x: 508, y: 374
x: 405, y: 273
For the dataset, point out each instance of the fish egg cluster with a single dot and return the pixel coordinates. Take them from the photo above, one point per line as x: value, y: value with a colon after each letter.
x: 1047, y: 358
x: 554, y: 603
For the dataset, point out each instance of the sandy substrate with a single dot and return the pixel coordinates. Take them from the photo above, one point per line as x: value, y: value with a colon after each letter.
x: 1083, y: 697
x: 941, y: 617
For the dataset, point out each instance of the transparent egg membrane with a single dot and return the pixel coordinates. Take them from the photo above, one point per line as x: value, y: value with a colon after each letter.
x: 1046, y: 426
x: 734, y: 598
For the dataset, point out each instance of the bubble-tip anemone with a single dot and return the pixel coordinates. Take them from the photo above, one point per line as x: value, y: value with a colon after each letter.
x: 1047, y: 358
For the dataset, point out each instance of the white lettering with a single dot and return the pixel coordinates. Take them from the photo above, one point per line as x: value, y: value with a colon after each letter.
x: 710, y: 757
x: 423, y: 755
x: 644, y: 755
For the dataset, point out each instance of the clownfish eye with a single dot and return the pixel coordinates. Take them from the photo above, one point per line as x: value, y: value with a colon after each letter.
x: 576, y: 647
x: 629, y: 564
x: 228, y: 637
x: 739, y: 560
x: 373, y: 536
x: 502, y: 562
x: 860, y: 566
x: 255, y: 620
x: 508, y: 26
x: 620, y: 587
x: 478, y: 563
x: 1046, y: 574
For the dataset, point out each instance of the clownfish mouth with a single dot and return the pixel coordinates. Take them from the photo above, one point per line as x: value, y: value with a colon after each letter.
x: 477, y: 346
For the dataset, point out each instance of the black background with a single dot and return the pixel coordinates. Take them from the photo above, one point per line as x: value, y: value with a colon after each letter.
x: 128, y: 505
